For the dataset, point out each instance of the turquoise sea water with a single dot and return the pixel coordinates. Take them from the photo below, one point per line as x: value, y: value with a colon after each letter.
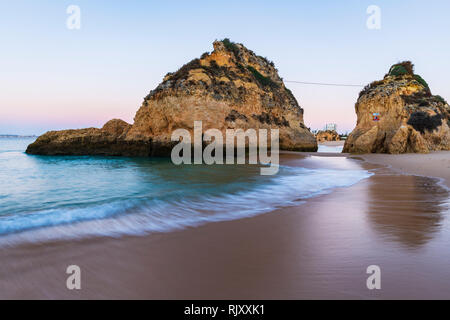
x: 45, y: 197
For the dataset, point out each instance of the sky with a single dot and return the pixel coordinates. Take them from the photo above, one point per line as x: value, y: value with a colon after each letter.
x: 53, y: 77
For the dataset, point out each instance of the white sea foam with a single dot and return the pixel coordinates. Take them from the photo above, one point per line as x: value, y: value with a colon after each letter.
x: 138, y: 216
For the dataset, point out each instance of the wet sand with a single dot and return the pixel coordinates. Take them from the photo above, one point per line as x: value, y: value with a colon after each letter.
x: 434, y: 164
x: 319, y: 249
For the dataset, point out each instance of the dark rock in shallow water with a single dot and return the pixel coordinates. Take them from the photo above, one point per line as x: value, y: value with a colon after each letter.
x: 107, y: 141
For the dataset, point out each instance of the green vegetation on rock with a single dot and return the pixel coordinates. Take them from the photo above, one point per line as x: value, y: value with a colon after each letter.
x: 421, y: 121
x: 231, y: 46
x: 421, y: 80
x: 440, y: 99
x: 401, y: 69
x: 398, y: 70
x: 265, y: 81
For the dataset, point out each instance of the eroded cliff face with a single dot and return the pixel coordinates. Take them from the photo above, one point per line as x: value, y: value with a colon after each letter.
x: 398, y: 115
x: 230, y: 88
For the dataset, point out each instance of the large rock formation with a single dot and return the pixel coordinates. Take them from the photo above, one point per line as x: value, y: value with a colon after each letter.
x: 229, y: 88
x: 327, y: 135
x: 399, y: 114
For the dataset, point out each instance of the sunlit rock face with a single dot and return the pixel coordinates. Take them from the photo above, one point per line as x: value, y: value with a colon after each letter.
x: 229, y: 88
x: 399, y: 114
x: 327, y: 135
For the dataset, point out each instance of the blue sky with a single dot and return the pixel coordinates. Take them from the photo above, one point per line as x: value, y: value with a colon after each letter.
x: 55, y: 78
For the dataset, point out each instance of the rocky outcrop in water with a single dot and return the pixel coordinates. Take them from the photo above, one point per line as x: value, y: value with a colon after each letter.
x: 327, y: 135
x: 399, y: 114
x: 108, y: 141
x: 230, y: 88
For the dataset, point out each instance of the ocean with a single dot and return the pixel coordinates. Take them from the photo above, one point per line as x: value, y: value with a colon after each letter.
x: 65, y: 197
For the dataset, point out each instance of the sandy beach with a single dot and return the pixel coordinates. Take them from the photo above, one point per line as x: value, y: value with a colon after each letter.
x: 318, y: 249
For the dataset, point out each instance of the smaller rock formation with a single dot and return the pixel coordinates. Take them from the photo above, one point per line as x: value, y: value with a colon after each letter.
x: 399, y: 114
x: 106, y: 141
x: 327, y: 135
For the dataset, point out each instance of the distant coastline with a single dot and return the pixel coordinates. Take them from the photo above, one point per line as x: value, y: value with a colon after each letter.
x: 17, y: 136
